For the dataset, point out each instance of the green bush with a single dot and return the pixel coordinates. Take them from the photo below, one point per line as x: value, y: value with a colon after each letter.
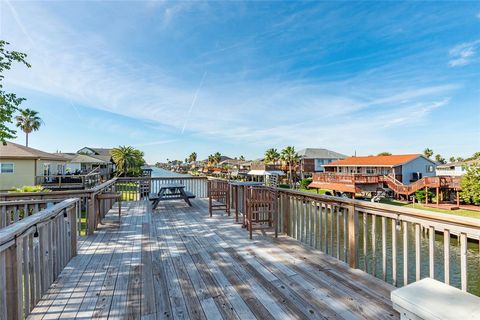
x: 420, y: 195
x: 304, y: 183
x: 284, y: 186
x: 26, y: 189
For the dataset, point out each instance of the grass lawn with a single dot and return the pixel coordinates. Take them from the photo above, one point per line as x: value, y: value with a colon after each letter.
x: 320, y: 191
x: 459, y: 212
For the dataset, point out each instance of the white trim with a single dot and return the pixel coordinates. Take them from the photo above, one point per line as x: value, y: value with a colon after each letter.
x: 13, y: 165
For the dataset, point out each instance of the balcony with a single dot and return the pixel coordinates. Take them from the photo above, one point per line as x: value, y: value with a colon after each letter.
x: 334, y: 257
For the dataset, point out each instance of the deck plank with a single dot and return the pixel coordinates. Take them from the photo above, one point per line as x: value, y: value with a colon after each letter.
x: 178, y: 263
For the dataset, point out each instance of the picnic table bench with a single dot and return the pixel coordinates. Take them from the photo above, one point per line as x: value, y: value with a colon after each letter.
x: 171, y: 192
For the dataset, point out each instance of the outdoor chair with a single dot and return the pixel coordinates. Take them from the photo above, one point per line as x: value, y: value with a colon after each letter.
x: 218, y: 196
x: 261, y: 209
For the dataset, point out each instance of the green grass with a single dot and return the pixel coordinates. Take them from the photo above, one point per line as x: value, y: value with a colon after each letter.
x: 320, y: 191
x: 459, y: 212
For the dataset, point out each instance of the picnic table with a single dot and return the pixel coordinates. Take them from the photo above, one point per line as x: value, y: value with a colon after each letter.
x: 174, y: 191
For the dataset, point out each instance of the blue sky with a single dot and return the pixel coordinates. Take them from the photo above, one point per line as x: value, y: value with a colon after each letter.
x: 240, y: 77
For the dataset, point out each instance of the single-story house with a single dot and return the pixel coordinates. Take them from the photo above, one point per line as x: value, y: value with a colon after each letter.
x: 457, y: 168
x: 82, y: 163
x: 19, y: 165
x: 104, y: 154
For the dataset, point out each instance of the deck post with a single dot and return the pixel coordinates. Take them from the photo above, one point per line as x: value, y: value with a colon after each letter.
x: 458, y: 199
x: 13, y: 281
x: 286, y: 213
x: 438, y: 195
x: 91, y: 215
x: 426, y: 195
x: 352, y: 237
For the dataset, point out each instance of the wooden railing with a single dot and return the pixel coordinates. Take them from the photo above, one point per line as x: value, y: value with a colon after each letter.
x: 399, y: 245
x: 134, y: 189
x: 91, y: 210
x: 86, y: 181
x: 13, y: 211
x: 33, y: 252
x: 394, y: 184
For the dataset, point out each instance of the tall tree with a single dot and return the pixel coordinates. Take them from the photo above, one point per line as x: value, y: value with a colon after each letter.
x: 439, y: 159
x: 128, y: 161
x: 192, y: 157
x: 384, y: 154
x: 242, y: 158
x: 290, y: 156
x: 470, y: 184
x: 271, y: 156
x: 217, y: 157
x: 428, y: 153
x: 452, y: 159
x: 29, y: 121
x: 9, y: 102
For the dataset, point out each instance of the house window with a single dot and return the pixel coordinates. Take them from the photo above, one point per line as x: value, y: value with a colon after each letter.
x: 7, y: 168
x: 430, y: 168
x: 371, y: 171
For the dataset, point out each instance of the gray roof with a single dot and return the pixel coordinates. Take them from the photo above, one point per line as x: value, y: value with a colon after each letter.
x: 13, y: 150
x: 318, y: 153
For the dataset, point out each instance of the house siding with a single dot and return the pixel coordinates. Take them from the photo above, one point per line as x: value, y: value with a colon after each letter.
x: 417, y: 165
x: 24, y: 174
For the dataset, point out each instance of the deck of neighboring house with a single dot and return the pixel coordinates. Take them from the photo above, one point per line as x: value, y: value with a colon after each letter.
x: 177, y: 262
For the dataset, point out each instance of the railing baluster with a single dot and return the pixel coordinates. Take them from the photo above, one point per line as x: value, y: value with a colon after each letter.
x: 463, y: 261
x: 365, y: 234
x: 405, y: 253
x: 374, y: 244
x: 446, y: 255
x: 418, y: 266
x: 431, y: 251
x: 338, y: 231
x: 394, y: 252
x: 384, y: 248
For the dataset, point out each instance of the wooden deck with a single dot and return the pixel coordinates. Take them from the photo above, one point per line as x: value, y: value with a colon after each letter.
x: 178, y: 263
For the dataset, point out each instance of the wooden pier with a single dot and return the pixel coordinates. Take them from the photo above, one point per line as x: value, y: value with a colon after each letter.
x: 177, y: 262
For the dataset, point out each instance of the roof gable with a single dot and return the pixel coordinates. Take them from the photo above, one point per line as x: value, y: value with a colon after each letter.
x: 16, y: 151
x: 320, y: 153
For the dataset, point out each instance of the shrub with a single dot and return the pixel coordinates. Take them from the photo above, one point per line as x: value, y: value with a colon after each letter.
x: 420, y: 195
x: 284, y: 186
x: 304, y: 183
x: 26, y: 189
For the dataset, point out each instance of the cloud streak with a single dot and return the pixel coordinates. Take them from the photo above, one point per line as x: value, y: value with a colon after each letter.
x: 464, y: 54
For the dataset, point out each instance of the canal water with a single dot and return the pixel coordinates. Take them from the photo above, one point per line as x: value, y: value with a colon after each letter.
x: 159, y: 172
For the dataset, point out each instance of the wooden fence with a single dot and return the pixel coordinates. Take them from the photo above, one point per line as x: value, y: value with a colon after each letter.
x: 33, y: 252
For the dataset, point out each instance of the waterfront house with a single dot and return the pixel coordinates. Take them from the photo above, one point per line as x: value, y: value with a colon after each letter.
x: 402, y: 174
x: 313, y: 159
x: 106, y: 167
x: 406, y: 168
x: 19, y: 165
x: 457, y: 168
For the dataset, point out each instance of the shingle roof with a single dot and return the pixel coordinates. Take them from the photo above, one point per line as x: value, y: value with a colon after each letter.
x: 318, y: 153
x: 16, y: 151
x: 376, y: 161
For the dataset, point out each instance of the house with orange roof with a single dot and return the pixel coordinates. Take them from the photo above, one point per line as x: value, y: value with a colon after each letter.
x: 371, y: 173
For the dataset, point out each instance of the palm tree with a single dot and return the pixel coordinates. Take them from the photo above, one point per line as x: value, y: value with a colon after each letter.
x: 290, y: 156
x: 28, y: 120
x: 242, y: 158
x: 128, y: 160
x: 217, y: 156
x: 192, y: 157
x: 271, y: 156
x: 428, y: 153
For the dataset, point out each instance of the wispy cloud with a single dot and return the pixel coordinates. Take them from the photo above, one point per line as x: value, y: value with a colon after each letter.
x: 464, y: 53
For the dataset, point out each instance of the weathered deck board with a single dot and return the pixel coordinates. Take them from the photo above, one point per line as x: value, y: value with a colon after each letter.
x: 179, y: 263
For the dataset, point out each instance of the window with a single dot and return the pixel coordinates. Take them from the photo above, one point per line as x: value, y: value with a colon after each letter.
x: 7, y: 167
x: 371, y: 171
x: 430, y: 168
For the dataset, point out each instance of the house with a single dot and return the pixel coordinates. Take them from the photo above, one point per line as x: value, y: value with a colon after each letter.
x: 402, y: 174
x: 104, y: 154
x: 19, y: 165
x: 406, y: 168
x: 82, y: 163
x: 457, y: 168
x: 313, y: 159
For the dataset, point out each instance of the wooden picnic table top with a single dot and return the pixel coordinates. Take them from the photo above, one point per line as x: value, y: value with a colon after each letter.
x: 246, y: 183
x: 172, y: 186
